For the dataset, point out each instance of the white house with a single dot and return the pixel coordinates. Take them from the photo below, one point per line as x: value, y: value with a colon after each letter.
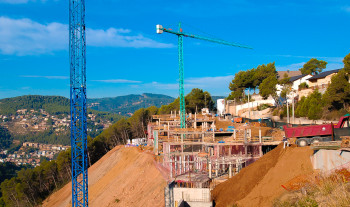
x: 295, y: 81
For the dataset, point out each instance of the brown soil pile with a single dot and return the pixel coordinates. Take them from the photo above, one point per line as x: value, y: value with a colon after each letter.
x: 260, y: 183
x: 222, y: 123
x: 123, y: 177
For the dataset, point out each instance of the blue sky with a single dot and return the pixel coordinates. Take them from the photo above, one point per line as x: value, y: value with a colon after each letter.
x: 126, y: 56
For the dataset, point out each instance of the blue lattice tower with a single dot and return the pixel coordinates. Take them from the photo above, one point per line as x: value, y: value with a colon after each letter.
x: 78, y: 110
x: 181, y: 79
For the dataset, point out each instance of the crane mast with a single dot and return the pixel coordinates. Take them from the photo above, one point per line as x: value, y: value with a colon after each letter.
x: 181, y: 81
x: 180, y: 35
x: 78, y: 110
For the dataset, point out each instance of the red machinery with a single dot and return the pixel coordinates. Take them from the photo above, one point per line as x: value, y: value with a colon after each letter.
x: 315, y: 133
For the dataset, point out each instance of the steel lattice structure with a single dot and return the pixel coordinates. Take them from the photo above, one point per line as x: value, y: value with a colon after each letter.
x: 78, y: 110
x: 180, y: 35
x: 181, y: 80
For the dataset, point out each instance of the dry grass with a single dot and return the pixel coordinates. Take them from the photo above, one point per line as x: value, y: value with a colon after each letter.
x: 332, y: 191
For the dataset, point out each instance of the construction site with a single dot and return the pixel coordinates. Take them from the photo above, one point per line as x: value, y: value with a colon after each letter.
x: 212, y: 158
x: 214, y: 161
x: 207, y: 152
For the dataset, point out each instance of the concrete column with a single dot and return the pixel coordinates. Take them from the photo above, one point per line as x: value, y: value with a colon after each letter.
x: 213, y: 135
x: 223, y: 164
x: 229, y: 150
x: 180, y: 163
x: 188, y: 163
x: 260, y: 138
x: 237, y: 166
x: 216, y: 168
x: 218, y: 150
x: 195, y: 120
x: 209, y: 169
x: 229, y: 170
x: 171, y: 168
x: 184, y: 164
x: 175, y: 165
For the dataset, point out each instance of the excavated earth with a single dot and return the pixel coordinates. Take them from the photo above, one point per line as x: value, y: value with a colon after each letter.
x: 260, y: 183
x: 125, y: 176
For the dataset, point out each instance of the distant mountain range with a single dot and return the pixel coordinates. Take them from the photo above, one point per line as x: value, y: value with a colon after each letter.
x: 126, y: 105
x: 123, y: 105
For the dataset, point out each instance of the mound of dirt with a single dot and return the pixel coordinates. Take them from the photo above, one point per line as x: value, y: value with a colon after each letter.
x: 260, y: 183
x: 123, y: 177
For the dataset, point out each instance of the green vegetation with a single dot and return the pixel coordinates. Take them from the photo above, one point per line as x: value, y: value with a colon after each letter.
x: 310, y: 106
x: 31, y: 186
x: 303, y: 86
x: 263, y: 107
x: 313, y: 66
x: 52, y: 104
x: 130, y: 103
x: 45, y: 137
x: 5, y: 138
x: 195, y: 100
x: 263, y: 77
x: 9, y: 169
x: 337, y: 95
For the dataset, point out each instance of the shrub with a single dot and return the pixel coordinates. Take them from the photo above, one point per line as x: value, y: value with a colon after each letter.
x: 303, y: 86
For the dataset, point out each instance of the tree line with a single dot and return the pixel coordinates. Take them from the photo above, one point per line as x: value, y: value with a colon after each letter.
x: 194, y: 102
x: 264, y: 78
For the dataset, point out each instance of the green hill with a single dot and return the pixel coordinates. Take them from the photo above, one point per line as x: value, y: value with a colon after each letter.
x: 125, y: 105
x: 45, y: 119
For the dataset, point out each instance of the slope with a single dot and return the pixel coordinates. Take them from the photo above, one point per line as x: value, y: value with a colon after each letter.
x: 260, y: 183
x: 123, y: 177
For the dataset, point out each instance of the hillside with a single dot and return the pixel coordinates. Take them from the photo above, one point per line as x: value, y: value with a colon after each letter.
x: 123, y: 177
x: 125, y: 105
x: 46, y: 119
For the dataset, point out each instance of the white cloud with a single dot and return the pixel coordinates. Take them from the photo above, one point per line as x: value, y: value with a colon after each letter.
x: 117, y: 81
x: 332, y: 62
x: 24, y: 36
x: 118, y: 38
x: 27, y: 37
x: 294, y: 66
x: 21, y: 1
x: 14, y: 1
x: 328, y: 59
x: 46, y: 77
x: 332, y: 66
x: 215, y: 82
x: 205, y: 83
x: 346, y: 8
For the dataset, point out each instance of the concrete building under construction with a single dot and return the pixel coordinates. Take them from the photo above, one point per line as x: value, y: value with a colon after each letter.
x: 207, y: 152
